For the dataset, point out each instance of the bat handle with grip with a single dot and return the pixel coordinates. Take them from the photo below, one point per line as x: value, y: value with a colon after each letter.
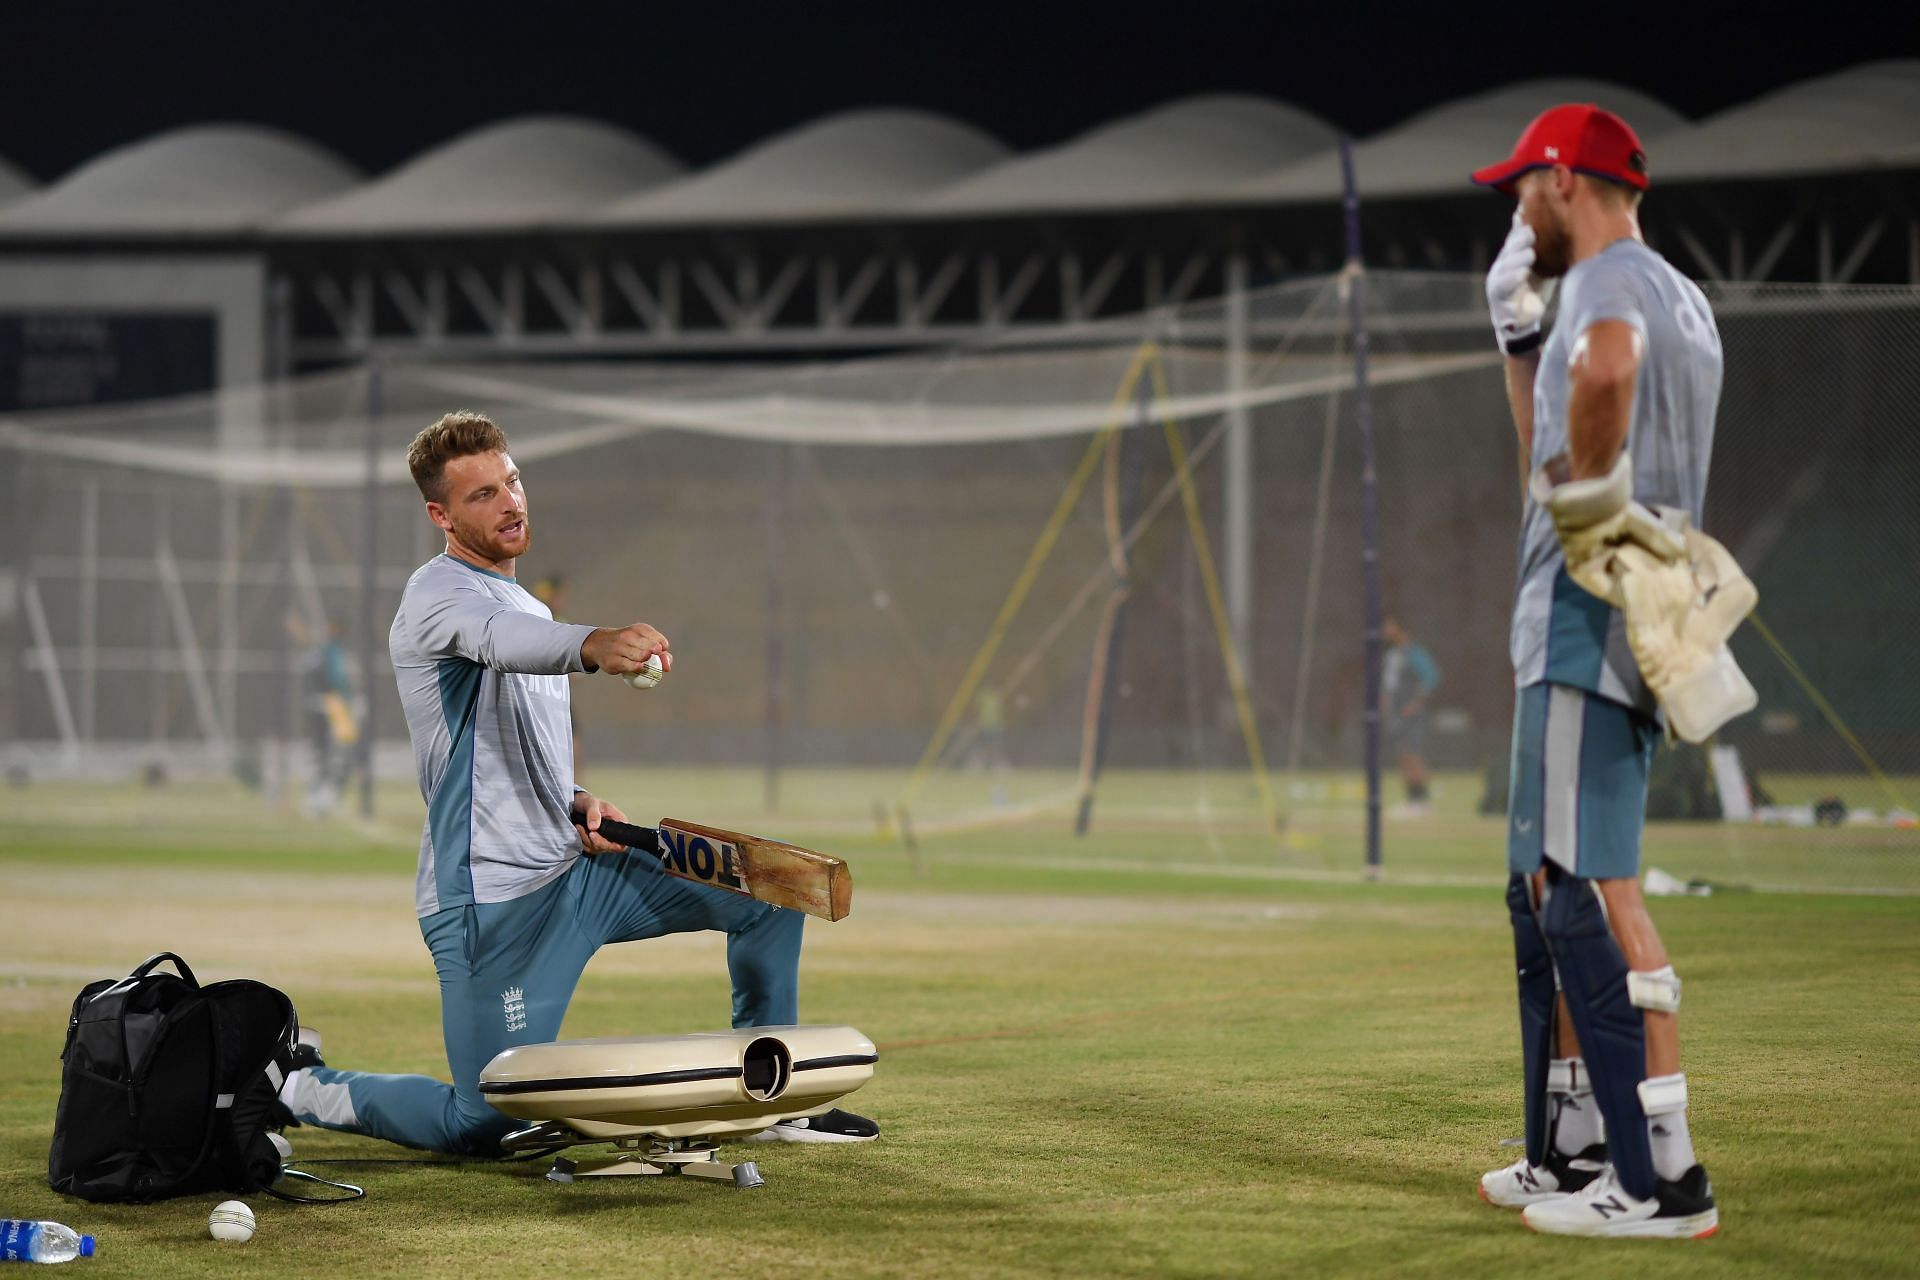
x: 645, y: 839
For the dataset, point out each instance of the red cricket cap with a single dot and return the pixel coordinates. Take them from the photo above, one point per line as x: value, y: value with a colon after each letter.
x: 1580, y: 136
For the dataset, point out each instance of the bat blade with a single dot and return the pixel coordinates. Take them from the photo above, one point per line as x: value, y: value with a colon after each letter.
x: 774, y: 871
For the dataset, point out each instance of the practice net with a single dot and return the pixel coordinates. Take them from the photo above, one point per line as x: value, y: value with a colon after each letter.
x: 937, y: 590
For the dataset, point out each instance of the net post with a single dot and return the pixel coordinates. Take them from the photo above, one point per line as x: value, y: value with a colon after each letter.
x: 1217, y: 605
x: 280, y: 374
x: 1124, y: 468
x: 1356, y: 279
x: 284, y: 673
x: 774, y: 709
x: 370, y: 586
x: 89, y: 613
x: 1238, y: 473
x: 1036, y: 558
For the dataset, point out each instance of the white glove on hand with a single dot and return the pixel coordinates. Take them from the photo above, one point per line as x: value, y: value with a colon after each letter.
x: 1516, y: 297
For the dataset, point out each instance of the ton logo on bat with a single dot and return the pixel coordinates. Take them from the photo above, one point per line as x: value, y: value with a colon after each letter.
x: 713, y: 861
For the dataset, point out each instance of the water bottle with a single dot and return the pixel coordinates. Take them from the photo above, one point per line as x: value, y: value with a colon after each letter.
x: 25, y: 1241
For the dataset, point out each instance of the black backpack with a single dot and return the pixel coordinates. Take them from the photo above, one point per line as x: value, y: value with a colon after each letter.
x: 169, y: 1087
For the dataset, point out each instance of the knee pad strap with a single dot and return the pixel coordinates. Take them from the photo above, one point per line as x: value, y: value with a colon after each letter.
x: 1659, y: 990
x: 1664, y: 1095
x: 1569, y: 1075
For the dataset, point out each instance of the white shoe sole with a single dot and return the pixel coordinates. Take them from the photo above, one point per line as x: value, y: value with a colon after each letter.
x: 786, y: 1133
x: 1694, y: 1227
x: 1521, y: 1199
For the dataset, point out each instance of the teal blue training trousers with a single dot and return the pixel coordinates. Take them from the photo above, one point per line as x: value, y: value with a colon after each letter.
x: 508, y: 969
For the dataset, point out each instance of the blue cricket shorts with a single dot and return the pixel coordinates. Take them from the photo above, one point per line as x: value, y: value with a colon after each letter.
x: 1577, y: 794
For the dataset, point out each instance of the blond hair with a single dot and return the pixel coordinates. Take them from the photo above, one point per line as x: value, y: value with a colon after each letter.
x: 455, y: 435
x: 1620, y: 194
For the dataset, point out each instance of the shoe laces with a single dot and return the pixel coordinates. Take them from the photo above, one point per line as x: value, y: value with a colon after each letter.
x: 1606, y: 1184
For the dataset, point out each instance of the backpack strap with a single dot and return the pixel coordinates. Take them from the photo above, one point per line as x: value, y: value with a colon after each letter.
x: 153, y: 961
x: 98, y: 990
x: 353, y: 1192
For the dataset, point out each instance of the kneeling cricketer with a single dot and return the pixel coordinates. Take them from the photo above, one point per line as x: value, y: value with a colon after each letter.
x: 513, y: 895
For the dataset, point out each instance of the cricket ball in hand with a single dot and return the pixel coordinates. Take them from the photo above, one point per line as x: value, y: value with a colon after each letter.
x: 231, y: 1221
x: 648, y: 676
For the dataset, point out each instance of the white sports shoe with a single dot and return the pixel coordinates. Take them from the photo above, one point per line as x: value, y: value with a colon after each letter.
x: 1521, y: 1184
x: 832, y: 1126
x: 1679, y: 1210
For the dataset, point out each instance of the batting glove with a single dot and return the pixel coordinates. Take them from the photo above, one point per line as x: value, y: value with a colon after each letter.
x: 1515, y: 295
x: 1595, y: 518
x: 1681, y: 593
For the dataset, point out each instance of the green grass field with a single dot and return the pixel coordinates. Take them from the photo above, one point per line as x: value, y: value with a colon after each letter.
x: 1181, y: 1046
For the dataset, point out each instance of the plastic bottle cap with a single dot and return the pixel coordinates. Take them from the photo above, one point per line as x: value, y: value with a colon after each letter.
x: 86, y: 1246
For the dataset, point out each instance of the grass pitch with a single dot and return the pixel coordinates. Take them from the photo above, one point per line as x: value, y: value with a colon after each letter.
x: 1179, y: 1047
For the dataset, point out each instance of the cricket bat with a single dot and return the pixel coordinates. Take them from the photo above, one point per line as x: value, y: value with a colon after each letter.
x: 774, y: 871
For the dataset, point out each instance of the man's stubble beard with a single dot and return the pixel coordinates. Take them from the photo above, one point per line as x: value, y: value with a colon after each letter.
x: 488, y: 544
x: 1552, y: 249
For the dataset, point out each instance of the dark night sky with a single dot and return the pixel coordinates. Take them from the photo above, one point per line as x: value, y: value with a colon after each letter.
x: 379, y: 83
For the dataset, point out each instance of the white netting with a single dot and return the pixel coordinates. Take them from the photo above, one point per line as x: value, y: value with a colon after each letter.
x: 312, y: 432
x: 831, y: 543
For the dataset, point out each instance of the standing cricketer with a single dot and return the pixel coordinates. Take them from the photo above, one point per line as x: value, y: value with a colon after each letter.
x: 1614, y: 409
x: 509, y: 907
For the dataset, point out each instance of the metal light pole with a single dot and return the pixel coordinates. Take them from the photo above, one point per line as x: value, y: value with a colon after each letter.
x: 1356, y: 275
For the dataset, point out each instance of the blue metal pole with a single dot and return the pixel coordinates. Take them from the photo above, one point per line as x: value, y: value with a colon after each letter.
x: 1369, y: 499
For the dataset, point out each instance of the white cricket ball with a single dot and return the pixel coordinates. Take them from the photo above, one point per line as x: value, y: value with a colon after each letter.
x: 648, y: 676
x: 232, y: 1221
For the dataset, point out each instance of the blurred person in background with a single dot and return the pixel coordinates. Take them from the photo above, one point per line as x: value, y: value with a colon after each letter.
x: 333, y: 728
x: 990, y: 711
x: 1408, y: 677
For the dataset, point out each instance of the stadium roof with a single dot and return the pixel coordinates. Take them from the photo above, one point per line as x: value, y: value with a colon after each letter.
x: 204, y: 180
x: 514, y: 175
x: 1434, y: 152
x: 1867, y: 117
x: 550, y: 173
x: 13, y: 181
x: 846, y: 165
x: 1169, y: 155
